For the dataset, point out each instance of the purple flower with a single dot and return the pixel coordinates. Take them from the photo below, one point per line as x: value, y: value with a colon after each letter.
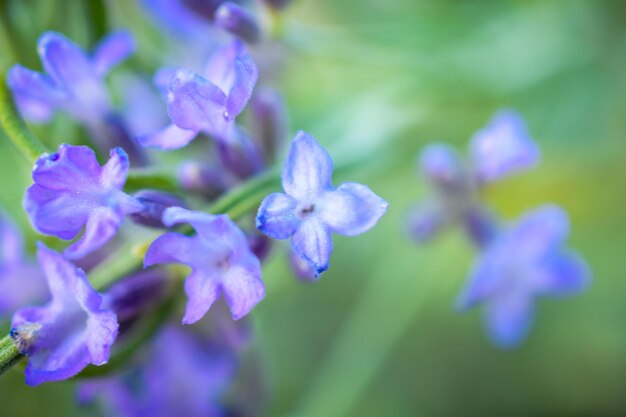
x: 312, y: 208
x: 502, y: 148
x: 526, y: 261
x: 72, y: 190
x: 73, y: 81
x: 238, y: 21
x: 185, y: 375
x: 21, y: 280
x: 206, y: 104
x: 70, y: 332
x: 220, y: 259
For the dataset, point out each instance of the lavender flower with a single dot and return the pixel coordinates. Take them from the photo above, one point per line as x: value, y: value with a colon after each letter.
x: 21, y: 280
x: 72, y: 190
x: 185, y: 374
x: 73, y: 81
x: 70, y: 332
x: 220, y: 259
x: 206, y: 104
x: 312, y: 208
x: 238, y: 21
x: 526, y: 261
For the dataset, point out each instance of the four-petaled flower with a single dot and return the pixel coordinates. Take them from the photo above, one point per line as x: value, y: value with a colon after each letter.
x: 206, y: 104
x: 220, y: 259
x: 524, y: 262
x: 72, y: 331
x: 73, y: 81
x: 72, y: 190
x: 312, y: 208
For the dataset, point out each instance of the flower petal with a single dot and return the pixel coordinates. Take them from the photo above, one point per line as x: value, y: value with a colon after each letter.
x: 564, y: 274
x: 112, y: 50
x: 276, y: 216
x: 312, y: 241
x: 64, y: 61
x: 115, y: 171
x: 243, y: 288
x: 196, y: 104
x: 169, y: 248
x: 71, y: 167
x: 172, y: 137
x: 352, y: 209
x: 202, y: 291
x: 101, y: 226
x: 33, y: 86
x: 508, y: 320
x: 308, y: 169
x: 503, y: 147
x: 539, y: 231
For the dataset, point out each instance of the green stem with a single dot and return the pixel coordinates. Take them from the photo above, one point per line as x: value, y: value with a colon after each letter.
x: 9, y: 355
x: 15, y: 128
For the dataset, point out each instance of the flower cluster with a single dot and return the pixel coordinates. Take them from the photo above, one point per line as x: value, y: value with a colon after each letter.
x: 517, y: 263
x: 173, y: 220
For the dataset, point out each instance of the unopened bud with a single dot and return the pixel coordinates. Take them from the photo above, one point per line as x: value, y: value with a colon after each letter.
x: 154, y: 204
x: 238, y: 21
x: 270, y: 121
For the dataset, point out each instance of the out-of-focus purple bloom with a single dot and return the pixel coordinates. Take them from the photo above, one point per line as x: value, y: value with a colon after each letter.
x: 154, y: 204
x: 503, y: 147
x: 238, y: 21
x: 277, y: 4
x: 72, y: 331
x: 73, y: 81
x: 425, y: 220
x: 524, y: 262
x: 204, y: 178
x: 444, y: 168
x: 260, y: 245
x: 312, y: 208
x: 207, y: 104
x: 241, y: 157
x: 187, y: 19
x: 21, y: 280
x: 185, y: 375
x: 72, y: 190
x: 220, y: 259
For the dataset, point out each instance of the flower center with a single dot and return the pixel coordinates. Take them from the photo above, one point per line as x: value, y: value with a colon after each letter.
x: 305, y: 210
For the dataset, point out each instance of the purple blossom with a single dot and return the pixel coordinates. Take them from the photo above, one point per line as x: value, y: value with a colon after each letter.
x: 206, y: 104
x: 21, y: 281
x: 71, y: 331
x: 72, y: 190
x: 502, y: 148
x: 73, y: 81
x: 238, y: 21
x: 312, y: 208
x: 185, y: 375
x: 220, y: 259
x: 526, y: 261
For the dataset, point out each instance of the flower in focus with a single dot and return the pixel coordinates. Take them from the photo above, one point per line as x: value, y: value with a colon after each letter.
x: 220, y: 259
x: 72, y: 190
x: 71, y: 331
x: 73, y: 81
x: 21, y: 280
x: 524, y: 262
x: 206, y: 104
x: 185, y: 375
x: 312, y: 208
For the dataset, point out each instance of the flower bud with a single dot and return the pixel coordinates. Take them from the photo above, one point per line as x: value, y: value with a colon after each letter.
x: 202, y: 178
x: 154, y: 204
x: 301, y: 268
x: 260, y: 245
x: 270, y: 121
x: 238, y: 22
x: 240, y: 156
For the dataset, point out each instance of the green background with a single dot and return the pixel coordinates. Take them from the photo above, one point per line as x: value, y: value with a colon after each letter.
x: 377, y: 335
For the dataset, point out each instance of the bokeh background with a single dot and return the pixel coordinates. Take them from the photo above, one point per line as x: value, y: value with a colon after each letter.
x: 377, y: 335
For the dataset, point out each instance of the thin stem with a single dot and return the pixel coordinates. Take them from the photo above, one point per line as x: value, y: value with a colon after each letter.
x: 9, y: 354
x: 14, y: 127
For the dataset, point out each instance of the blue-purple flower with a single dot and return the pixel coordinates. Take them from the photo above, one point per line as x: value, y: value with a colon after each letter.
x: 72, y: 331
x: 206, y: 104
x: 526, y: 261
x: 21, y: 280
x: 72, y: 191
x: 221, y: 262
x: 73, y: 81
x: 312, y: 208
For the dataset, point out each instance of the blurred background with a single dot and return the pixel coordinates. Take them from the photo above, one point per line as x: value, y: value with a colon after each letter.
x: 378, y: 335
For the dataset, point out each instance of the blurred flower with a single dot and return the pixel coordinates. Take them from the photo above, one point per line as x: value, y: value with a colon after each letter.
x: 71, y: 331
x: 21, y: 281
x: 220, y: 259
x: 73, y: 82
x: 238, y: 21
x: 312, y: 208
x: 185, y: 375
x: 72, y: 190
x: 210, y: 105
x: 525, y: 261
